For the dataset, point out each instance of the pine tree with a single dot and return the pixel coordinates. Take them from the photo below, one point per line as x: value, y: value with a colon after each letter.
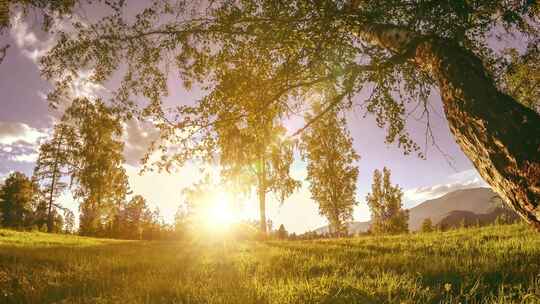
x: 327, y: 147
x: 384, y: 201
x: 53, y: 163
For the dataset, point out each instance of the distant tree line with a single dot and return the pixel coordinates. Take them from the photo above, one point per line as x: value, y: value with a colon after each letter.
x: 85, y: 149
x: 22, y: 207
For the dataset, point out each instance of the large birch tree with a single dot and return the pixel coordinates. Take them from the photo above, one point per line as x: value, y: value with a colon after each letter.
x: 397, y: 51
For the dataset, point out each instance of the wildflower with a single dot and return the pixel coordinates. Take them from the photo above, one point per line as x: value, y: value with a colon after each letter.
x: 447, y: 287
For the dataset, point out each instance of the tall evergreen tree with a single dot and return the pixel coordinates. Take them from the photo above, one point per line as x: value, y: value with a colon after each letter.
x: 384, y: 201
x: 100, y: 180
x: 52, y: 164
x: 16, y: 199
x: 327, y: 147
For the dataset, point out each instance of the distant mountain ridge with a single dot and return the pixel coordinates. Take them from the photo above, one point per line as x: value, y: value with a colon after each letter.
x: 469, y: 205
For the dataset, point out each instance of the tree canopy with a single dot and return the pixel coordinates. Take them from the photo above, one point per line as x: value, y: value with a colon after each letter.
x: 16, y: 200
x: 385, y: 56
x: 331, y: 171
x: 96, y: 153
x: 384, y: 201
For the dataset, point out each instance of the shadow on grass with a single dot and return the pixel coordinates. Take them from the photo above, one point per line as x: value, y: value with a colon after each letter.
x: 130, y: 272
x: 471, y: 273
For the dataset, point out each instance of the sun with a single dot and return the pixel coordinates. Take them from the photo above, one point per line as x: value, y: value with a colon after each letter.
x: 220, y: 213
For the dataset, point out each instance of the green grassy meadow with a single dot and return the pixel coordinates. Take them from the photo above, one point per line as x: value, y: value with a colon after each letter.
x: 497, y: 264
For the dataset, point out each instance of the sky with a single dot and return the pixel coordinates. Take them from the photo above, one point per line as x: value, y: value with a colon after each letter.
x: 26, y: 120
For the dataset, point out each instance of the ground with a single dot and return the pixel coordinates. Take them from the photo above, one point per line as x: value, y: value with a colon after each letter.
x: 498, y: 264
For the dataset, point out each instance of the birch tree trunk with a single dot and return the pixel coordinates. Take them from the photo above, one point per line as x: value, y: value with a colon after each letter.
x: 262, y: 196
x: 499, y: 135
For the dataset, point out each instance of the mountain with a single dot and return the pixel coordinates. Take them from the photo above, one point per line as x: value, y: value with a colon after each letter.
x: 469, y: 205
x: 458, y: 218
x: 475, y: 200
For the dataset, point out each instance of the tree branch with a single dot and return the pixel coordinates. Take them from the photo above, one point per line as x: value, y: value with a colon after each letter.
x: 3, y: 52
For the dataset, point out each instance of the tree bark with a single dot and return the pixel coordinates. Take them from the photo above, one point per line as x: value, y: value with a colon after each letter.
x: 262, y: 196
x: 499, y: 135
x: 54, y: 180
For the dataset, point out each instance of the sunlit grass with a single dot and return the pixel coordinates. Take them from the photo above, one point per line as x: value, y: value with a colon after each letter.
x: 488, y: 265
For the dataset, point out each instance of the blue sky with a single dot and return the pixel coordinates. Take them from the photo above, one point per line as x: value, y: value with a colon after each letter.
x: 25, y: 120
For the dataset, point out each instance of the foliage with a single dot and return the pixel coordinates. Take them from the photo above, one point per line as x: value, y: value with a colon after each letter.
x: 96, y: 156
x: 427, y: 225
x: 384, y: 201
x: 48, y: 9
x: 327, y: 147
x: 270, y: 54
x: 52, y: 164
x: 135, y: 221
x: 264, y: 56
x: 282, y: 233
x: 522, y: 77
x: 16, y: 201
x: 253, y: 153
x: 460, y: 266
x: 69, y: 221
x: 22, y: 206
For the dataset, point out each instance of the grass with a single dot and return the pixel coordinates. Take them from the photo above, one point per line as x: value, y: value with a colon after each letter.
x: 499, y: 264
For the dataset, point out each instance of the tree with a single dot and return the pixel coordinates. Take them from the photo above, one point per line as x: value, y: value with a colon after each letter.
x: 100, y: 180
x: 427, y: 225
x: 282, y: 233
x: 16, y: 198
x: 136, y: 217
x: 69, y: 221
x: 384, y: 201
x: 521, y: 79
x: 251, y: 145
x: 181, y: 221
x: 396, y: 50
x: 257, y: 157
x: 51, y: 166
x: 327, y: 146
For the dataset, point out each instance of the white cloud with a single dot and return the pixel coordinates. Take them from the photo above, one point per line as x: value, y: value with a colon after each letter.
x: 461, y: 180
x: 13, y: 132
x: 25, y: 158
x: 27, y: 39
x: 83, y: 86
x: 137, y: 137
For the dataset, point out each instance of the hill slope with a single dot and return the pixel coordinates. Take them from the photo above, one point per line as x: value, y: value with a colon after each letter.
x: 475, y: 201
